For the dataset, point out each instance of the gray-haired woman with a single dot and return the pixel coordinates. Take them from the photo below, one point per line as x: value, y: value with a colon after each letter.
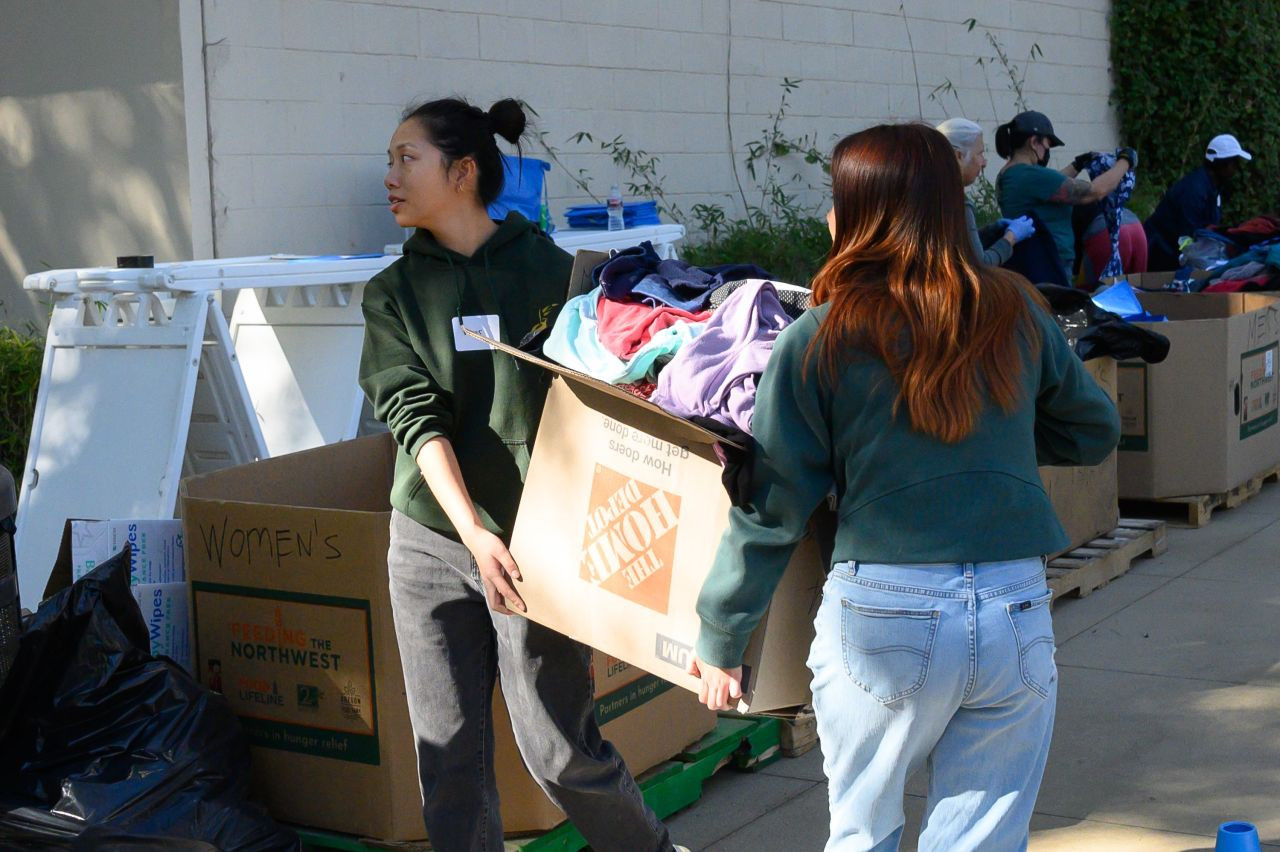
x: 994, y: 243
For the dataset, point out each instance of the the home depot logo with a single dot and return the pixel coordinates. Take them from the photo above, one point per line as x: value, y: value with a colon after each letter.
x: 630, y: 538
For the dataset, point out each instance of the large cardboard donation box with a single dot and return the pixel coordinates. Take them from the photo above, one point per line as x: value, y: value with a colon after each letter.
x: 1205, y: 419
x: 621, y: 514
x: 292, y: 623
x: 1085, y: 498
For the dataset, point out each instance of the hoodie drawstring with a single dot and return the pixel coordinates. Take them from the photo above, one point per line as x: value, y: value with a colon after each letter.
x: 497, y: 301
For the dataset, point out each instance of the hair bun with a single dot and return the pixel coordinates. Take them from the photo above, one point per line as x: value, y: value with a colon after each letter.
x: 1004, y: 140
x: 507, y: 119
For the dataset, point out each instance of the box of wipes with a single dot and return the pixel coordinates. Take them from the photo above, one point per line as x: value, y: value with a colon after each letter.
x: 165, y: 610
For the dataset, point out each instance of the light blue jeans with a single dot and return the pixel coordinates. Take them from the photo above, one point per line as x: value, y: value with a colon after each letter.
x: 946, y: 664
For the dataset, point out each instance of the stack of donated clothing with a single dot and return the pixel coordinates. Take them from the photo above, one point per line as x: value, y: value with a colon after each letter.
x: 692, y: 340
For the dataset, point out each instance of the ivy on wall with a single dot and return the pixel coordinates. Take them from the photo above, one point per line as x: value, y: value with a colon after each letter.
x: 1187, y: 70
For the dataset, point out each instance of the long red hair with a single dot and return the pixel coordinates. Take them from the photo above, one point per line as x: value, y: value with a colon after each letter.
x: 905, y: 285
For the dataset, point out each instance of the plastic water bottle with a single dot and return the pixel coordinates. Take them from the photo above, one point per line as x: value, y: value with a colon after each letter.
x: 614, y: 206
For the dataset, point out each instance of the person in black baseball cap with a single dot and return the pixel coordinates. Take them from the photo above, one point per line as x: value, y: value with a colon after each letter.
x: 1024, y: 127
x: 1026, y: 185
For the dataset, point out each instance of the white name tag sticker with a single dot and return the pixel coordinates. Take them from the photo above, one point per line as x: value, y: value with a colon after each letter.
x: 486, y: 324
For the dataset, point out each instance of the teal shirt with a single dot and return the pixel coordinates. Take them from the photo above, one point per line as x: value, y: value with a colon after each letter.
x: 904, y: 497
x: 1024, y: 188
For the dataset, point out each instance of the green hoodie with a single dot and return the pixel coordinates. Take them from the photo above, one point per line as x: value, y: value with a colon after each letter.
x: 904, y: 497
x: 485, y: 402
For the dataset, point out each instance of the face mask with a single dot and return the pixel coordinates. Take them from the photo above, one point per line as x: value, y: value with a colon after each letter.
x: 1044, y: 158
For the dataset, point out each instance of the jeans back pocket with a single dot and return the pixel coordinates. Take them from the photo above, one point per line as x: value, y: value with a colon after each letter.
x: 1033, y: 631
x: 887, y: 650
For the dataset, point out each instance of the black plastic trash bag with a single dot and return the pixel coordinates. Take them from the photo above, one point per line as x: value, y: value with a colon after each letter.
x: 32, y: 828
x: 1097, y: 333
x: 127, y: 745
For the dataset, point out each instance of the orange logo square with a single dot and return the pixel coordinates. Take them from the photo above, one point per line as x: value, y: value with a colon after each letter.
x: 630, y: 539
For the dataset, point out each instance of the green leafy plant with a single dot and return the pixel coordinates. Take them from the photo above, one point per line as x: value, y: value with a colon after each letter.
x: 780, y: 232
x: 986, y: 201
x: 983, y: 192
x: 791, y: 251
x: 644, y: 180
x: 1017, y: 75
x: 1185, y: 71
x: 580, y: 177
x: 20, y: 358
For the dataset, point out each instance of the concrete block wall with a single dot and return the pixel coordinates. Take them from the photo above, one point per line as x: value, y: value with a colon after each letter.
x: 303, y: 94
x: 93, y: 148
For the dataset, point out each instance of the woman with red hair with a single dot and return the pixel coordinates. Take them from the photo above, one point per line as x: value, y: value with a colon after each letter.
x: 923, y: 389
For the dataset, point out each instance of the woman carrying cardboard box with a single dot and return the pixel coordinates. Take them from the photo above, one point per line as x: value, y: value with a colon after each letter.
x: 464, y: 417
x: 924, y: 389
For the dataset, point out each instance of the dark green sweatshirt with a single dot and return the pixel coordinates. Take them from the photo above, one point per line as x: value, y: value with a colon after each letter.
x: 904, y: 497
x: 485, y: 402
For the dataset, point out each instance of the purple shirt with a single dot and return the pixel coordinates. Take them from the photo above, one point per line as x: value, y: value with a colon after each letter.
x: 715, y: 375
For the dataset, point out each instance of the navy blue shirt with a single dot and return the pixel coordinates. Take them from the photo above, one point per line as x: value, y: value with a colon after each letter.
x: 1193, y: 202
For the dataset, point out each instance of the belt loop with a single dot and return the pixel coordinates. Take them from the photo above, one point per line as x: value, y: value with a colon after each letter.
x: 853, y: 567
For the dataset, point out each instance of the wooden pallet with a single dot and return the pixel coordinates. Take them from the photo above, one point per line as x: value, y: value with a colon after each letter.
x: 799, y: 733
x: 1198, y: 508
x: 797, y: 729
x: 1102, y: 560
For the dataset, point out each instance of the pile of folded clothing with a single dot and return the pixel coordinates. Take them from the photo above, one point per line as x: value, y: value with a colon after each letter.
x: 693, y: 340
x: 635, y: 214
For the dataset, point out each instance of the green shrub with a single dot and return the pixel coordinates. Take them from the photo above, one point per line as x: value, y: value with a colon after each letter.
x: 774, y: 229
x: 20, y: 358
x: 1187, y: 70
x: 780, y: 232
x: 791, y: 250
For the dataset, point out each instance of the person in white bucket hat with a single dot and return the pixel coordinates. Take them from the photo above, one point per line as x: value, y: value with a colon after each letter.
x: 1194, y: 202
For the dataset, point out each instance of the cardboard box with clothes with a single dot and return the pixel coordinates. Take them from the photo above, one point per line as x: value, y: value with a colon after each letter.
x: 1204, y: 420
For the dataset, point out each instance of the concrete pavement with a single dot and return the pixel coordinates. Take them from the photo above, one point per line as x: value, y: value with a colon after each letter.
x: 1168, y: 713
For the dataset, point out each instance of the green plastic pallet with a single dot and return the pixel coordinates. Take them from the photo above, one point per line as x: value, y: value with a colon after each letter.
x: 743, y: 743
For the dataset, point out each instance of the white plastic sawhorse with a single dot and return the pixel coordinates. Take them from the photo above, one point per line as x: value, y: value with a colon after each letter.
x: 137, y: 387
x: 144, y: 382
x: 298, y: 329
x: 141, y: 385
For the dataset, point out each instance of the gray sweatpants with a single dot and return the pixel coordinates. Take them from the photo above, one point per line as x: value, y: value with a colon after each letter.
x: 452, y: 645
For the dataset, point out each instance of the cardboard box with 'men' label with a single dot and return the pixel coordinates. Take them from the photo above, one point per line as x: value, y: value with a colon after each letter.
x: 293, y: 624
x: 1205, y: 419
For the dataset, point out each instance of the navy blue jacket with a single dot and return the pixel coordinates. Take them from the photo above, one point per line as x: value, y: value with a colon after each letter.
x: 1192, y: 203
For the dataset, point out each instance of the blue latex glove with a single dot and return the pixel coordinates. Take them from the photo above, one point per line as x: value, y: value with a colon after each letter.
x: 1021, y: 228
x: 1003, y: 223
